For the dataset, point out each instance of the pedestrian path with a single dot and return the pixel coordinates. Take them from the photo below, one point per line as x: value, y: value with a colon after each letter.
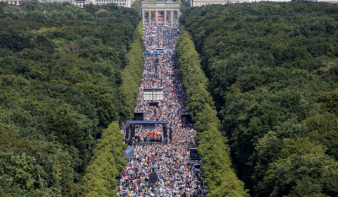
x: 178, y: 176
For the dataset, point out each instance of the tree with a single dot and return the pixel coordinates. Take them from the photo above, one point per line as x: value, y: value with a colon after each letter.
x: 132, y: 75
x: 59, y: 80
x: 101, y: 97
x: 20, y: 171
x: 323, y: 128
x: 302, y: 176
x: 330, y: 101
x: 218, y: 174
x: 108, y: 161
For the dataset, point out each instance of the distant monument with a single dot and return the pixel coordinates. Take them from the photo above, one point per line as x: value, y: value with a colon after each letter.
x: 170, y: 7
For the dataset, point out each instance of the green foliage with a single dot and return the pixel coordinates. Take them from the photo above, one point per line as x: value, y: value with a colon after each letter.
x: 10, y: 139
x: 137, y: 5
x: 324, y: 128
x: 2, y: 193
x: 22, y: 172
x: 61, y: 68
x: 272, y: 72
x: 218, y: 174
x: 330, y: 100
x: 102, y: 98
x: 107, y: 162
x: 302, y: 175
x: 132, y: 76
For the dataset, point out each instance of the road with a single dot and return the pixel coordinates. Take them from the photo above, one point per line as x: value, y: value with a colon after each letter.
x: 177, y: 174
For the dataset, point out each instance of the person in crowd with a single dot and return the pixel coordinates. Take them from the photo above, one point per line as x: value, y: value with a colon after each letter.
x: 176, y: 174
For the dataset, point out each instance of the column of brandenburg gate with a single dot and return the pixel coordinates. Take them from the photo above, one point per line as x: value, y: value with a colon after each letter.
x: 160, y: 6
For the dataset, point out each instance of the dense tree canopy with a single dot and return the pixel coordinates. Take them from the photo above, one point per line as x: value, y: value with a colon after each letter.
x: 132, y: 76
x: 107, y: 162
x: 61, y: 68
x: 220, y: 178
x: 272, y: 74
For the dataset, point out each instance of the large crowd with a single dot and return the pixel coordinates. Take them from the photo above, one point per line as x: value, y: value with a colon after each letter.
x: 177, y: 175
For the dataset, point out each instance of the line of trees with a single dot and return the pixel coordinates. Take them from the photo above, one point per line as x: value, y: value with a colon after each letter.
x: 219, y: 176
x: 61, y: 67
x: 107, y: 162
x: 272, y: 71
x: 137, y: 5
x: 132, y: 77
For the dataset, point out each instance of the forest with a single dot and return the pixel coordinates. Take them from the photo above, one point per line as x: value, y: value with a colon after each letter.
x: 62, y: 88
x: 218, y: 173
x: 271, y: 70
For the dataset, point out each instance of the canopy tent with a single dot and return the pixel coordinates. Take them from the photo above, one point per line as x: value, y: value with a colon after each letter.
x: 129, y: 153
x: 128, y: 150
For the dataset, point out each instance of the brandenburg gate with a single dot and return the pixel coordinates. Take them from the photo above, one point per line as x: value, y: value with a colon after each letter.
x: 160, y: 6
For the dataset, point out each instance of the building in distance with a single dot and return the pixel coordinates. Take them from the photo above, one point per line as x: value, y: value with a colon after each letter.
x: 196, y: 3
x: 80, y: 3
x: 122, y: 3
x: 18, y: 2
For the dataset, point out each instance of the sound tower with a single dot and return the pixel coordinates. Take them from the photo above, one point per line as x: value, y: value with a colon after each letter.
x: 132, y: 133
x: 165, y: 132
x: 138, y: 116
x: 170, y: 134
x: 194, y: 154
x: 127, y: 132
x: 152, y: 178
x: 186, y: 119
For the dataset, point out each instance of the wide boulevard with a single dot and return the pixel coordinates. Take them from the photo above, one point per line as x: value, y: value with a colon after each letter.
x: 176, y: 174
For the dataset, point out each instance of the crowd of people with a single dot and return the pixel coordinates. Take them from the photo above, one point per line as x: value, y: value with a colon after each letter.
x: 177, y: 175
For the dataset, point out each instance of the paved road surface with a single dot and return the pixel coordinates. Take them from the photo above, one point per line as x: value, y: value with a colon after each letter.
x: 177, y: 175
